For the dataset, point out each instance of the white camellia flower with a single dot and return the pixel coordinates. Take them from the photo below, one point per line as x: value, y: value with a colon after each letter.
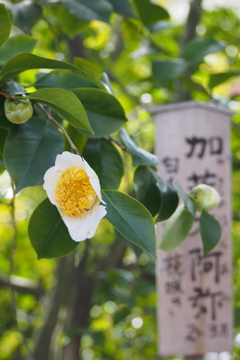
x: 74, y: 188
x: 205, y: 197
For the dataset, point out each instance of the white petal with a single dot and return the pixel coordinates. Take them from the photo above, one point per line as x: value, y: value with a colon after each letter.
x: 84, y: 227
x: 81, y: 227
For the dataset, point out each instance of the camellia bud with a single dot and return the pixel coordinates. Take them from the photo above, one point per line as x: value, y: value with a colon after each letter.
x: 18, y: 111
x: 205, y: 197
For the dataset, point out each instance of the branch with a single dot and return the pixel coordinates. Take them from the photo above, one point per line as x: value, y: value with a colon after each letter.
x: 49, y: 116
x: 189, y: 34
x: 11, y: 289
x: 22, y: 285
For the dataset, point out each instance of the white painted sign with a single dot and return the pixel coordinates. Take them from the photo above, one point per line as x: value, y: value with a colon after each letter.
x: 195, y: 294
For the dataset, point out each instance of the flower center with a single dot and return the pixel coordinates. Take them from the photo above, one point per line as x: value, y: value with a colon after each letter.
x: 74, y: 192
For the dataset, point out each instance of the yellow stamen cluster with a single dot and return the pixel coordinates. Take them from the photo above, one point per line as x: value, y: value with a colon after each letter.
x: 74, y: 192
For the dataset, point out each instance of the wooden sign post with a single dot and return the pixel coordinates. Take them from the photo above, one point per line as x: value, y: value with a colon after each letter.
x: 195, y: 294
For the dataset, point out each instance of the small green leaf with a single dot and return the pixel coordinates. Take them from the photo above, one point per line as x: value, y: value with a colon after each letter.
x: 169, y: 200
x: 210, y: 231
x: 64, y: 80
x: 15, y: 45
x: 176, y: 228
x: 145, y: 186
x: 106, y: 161
x: 131, y: 219
x: 48, y: 234
x: 150, y: 13
x: 198, y: 48
x: 104, y: 112
x: 26, y: 61
x: 30, y: 149
x: 139, y: 155
x: 88, y: 11
x: 217, y: 79
x: 189, y: 204
x: 6, y: 24
x: 167, y: 70
x: 65, y: 103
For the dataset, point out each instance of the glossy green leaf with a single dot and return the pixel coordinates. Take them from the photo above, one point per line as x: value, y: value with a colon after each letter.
x: 26, y: 14
x: 65, y: 103
x: 210, y: 231
x: 78, y: 138
x: 48, y: 234
x: 176, y: 228
x: 139, y: 155
x: 122, y: 7
x: 13, y: 88
x: 189, y: 204
x: 26, y: 61
x: 16, y: 45
x: 30, y: 149
x: 104, y: 112
x: 5, y: 22
x: 198, y: 48
x: 167, y: 70
x: 145, y: 186
x: 217, y: 79
x: 4, y: 122
x: 169, y: 200
x: 89, y: 10
x: 149, y: 12
x: 3, y: 136
x: 64, y: 80
x: 106, y: 161
x: 90, y: 71
x: 131, y: 219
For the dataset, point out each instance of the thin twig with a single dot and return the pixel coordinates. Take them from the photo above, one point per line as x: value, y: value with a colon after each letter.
x: 6, y: 95
x: 11, y: 289
x: 49, y: 116
x: 117, y: 143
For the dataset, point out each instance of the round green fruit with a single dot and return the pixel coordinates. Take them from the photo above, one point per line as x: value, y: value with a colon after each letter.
x: 205, y: 197
x: 18, y: 111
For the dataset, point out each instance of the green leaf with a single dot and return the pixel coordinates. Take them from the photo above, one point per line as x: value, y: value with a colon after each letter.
x: 106, y: 161
x: 89, y: 10
x: 91, y: 71
x: 48, y: 234
x: 150, y: 13
x: 189, y: 204
x: 30, y: 149
x: 176, y: 228
x: 3, y: 136
x: 5, y: 22
x: 64, y: 80
x: 4, y: 122
x: 65, y: 103
x: 198, y: 48
x: 210, y: 231
x: 217, y: 79
x: 167, y: 70
x: 139, y: 155
x: 122, y: 7
x: 104, y: 112
x: 145, y: 186
x: 26, y: 14
x: 131, y: 219
x: 169, y: 200
x: 15, y: 45
x: 27, y: 61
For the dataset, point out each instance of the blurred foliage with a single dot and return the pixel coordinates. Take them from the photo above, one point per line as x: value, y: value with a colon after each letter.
x: 124, y: 45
